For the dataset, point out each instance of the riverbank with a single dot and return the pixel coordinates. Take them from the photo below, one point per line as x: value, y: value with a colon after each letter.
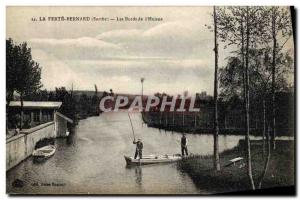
x: 234, y: 177
x: 198, y: 130
x: 197, y: 124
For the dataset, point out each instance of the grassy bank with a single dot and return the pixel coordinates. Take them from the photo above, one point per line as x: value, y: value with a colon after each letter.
x: 234, y: 177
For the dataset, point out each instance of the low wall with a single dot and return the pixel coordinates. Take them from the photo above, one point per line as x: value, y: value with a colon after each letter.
x: 21, y: 146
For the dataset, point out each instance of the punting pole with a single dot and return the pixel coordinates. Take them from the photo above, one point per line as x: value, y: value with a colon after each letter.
x: 131, y: 127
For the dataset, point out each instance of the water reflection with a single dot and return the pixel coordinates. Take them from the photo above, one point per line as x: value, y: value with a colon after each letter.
x: 38, y: 161
x: 71, y: 138
x: 138, y: 175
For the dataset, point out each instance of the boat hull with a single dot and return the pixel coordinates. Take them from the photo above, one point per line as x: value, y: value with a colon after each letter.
x: 44, y: 152
x: 152, y: 159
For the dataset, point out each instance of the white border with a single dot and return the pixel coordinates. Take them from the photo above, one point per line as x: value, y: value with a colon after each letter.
x: 152, y: 2
x: 5, y: 3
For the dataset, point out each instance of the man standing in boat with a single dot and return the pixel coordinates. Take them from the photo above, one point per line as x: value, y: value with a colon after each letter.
x: 139, y: 148
x: 184, y: 143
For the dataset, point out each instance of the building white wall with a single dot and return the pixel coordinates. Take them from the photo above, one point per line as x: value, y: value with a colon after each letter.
x: 21, y: 146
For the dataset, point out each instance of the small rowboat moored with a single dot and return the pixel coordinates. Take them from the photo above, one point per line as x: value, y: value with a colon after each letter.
x: 44, y: 152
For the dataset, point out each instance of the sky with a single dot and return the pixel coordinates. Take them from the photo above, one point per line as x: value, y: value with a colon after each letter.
x: 173, y: 55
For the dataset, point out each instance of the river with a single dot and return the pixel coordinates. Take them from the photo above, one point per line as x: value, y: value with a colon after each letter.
x: 91, y: 161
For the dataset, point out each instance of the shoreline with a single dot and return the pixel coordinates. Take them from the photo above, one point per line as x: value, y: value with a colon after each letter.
x: 191, y: 127
x: 234, y: 178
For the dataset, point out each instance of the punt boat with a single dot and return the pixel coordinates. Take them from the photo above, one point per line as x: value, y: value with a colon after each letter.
x: 153, y: 159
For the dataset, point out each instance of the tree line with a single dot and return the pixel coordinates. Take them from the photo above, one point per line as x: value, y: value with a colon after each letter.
x: 259, y: 66
x: 23, y: 74
x: 23, y: 77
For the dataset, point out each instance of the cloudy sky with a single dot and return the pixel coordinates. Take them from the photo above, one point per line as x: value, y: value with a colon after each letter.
x: 173, y: 55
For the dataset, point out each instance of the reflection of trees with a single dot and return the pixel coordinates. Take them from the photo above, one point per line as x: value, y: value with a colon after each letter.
x: 71, y: 138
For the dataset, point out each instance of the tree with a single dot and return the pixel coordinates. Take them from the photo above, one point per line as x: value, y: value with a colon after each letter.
x: 235, y: 24
x: 68, y: 106
x: 248, y: 29
x: 95, y: 101
x: 23, y: 73
x: 241, y: 27
x: 260, y: 70
x: 280, y: 25
x: 262, y: 73
x: 10, y: 77
x: 231, y: 78
x: 216, y: 127
x: 247, y: 99
x: 51, y: 96
x: 60, y: 93
x: 11, y: 66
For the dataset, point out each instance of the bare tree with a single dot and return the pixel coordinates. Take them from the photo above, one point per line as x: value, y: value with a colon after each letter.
x: 253, y: 31
x: 235, y: 25
x: 216, y: 126
x: 280, y: 25
x: 247, y: 99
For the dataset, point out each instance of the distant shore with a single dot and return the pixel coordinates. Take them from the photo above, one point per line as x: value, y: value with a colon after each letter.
x: 191, y: 125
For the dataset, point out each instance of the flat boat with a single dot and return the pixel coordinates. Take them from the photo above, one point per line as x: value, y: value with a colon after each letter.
x: 152, y: 159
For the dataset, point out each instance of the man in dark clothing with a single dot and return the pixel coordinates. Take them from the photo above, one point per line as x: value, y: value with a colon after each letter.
x: 184, y: 145
x: 139, y: 149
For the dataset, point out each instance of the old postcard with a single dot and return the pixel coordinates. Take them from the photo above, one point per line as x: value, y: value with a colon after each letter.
x: 150, y: 100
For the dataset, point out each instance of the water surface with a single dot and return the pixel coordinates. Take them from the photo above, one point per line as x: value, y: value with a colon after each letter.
x: 91, y: 160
